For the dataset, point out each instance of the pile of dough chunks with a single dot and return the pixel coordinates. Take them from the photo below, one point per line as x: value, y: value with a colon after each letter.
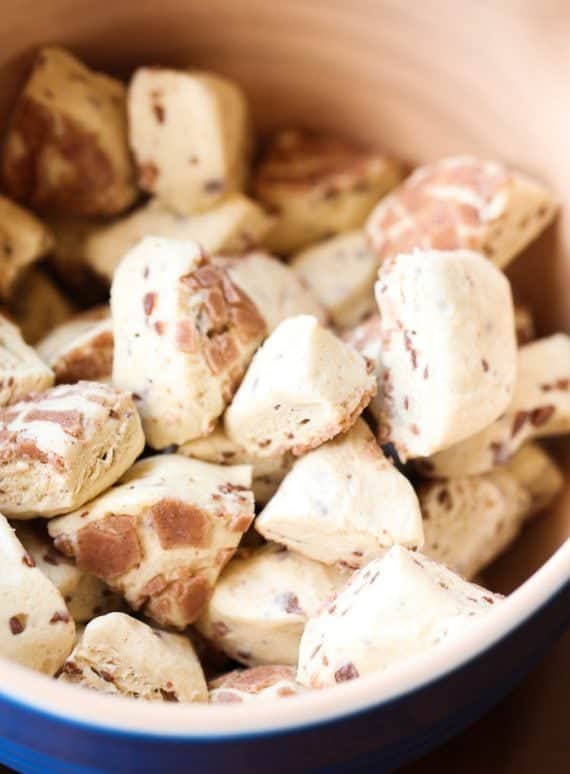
x: 262, y: 423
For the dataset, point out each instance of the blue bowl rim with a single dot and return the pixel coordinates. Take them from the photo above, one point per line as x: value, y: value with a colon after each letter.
x: 186, y: 722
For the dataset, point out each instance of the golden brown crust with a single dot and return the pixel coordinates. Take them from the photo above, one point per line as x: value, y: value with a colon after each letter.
x: 227, y: 317
x: 188, y: 594
x: 108, y: 547
x: 180, y: 524
x: 342, y: 426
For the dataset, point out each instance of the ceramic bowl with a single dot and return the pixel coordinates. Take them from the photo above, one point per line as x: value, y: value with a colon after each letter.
x: 421, y: 80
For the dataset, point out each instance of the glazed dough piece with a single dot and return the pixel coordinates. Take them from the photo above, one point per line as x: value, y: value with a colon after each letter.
x: 262, y: 601
x: 539, y: 407
x: 261, y: 683
x: 319, y: 186
x: 23, y: 239
x: 21, y: 370
x: 66, y: 147
x: 81, y: 348
x: 448, y: 348
x: 163, y: 534
x: 268, y: 472
x: 184, y: 335
x: 462, y: 202
x: 84, y: 595
x: 394, y: 609
x: 276, y: 291
x: 470, y: 521
x: 344, y: 502
x: 38, y: 305
x: 62, y: 447
x: 366, y: 338
x: 303, y: 387
x: 340, y: 272
x: 234, y: 226
x: 524, y: 324
x: 189, y: 132
x: 36, y: 629
x: 121, y: 656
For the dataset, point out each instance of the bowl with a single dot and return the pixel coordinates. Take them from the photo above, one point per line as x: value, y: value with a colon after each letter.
x: 421, y: 81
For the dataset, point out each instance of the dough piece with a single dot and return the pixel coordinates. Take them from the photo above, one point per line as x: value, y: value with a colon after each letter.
x: 184, y: 335
x: 66, y: 147
x: 23, y: 240
x: 121, y: 656
x: 538, y: 474
x: 524, y: 324
x: 84, y: 595
x: 539, y: 407
x: 391, y: 611
x: 268, y: 472
x: 21, y: 370
x: 340, y: 272
x: 261, y: 683
x: 344, y: 502
x: 469, y: 522
x: 81, y: 348
x: 68, y: 259
x: 38, y: 305
x: 303, y: 387
x: 261, y: 603
x: 318, y: 186
x: 448, y: 348
x: 162, y: 535
x: 57, y: 568
x: 90, y: 598
x: 462, y: 202
x: 366, y: 338
x: 277, y: 291
x: 62, y: 447
x: 234, y: 226
x: 36, y: 629
x: 189, y: 131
